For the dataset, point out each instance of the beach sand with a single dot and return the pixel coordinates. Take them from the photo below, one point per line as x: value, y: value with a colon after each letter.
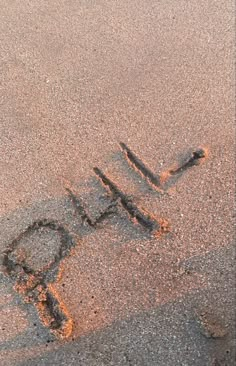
x: 76, y: 79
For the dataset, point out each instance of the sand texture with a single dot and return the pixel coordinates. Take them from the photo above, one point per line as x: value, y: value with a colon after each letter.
x: 117, y: 148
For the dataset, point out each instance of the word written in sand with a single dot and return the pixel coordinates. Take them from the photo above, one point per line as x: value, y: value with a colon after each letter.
x: 35, y: 284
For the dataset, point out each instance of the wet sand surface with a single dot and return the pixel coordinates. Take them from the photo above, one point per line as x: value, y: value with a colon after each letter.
x: 76, y: 79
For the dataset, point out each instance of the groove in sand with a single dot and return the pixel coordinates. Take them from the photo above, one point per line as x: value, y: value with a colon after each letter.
x: 142, y: 217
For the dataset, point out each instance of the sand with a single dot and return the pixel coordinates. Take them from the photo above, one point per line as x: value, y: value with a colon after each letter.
x: 76, y: 79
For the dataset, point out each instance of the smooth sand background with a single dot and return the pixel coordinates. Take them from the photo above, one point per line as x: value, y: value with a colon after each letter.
x: 77, y: 77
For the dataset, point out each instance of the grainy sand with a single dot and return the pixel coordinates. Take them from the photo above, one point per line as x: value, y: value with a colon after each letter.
x: 77, y: 78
